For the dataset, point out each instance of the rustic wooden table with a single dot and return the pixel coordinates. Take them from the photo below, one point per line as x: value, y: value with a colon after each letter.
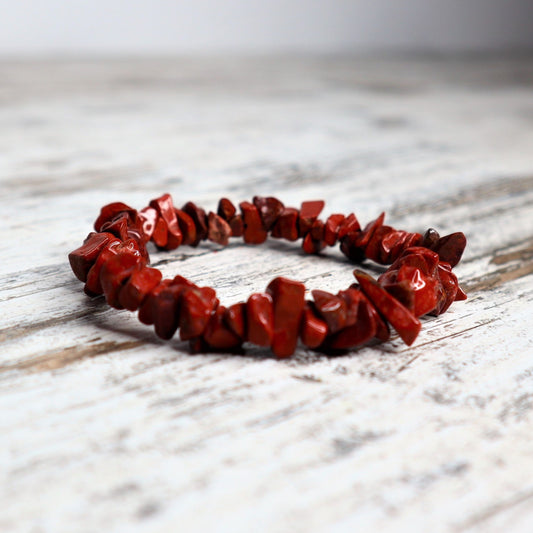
x: 103, y: 427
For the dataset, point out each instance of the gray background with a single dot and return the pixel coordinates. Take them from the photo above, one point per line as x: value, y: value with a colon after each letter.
x: 38, y: 27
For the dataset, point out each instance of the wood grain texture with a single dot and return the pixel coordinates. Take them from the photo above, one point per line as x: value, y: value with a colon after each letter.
x: 105, y: 427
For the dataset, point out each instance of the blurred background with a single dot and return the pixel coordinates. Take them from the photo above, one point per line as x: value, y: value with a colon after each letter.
x: 139, y: 27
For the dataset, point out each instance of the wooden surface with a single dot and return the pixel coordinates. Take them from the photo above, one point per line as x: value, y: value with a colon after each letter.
x: 103, y: 427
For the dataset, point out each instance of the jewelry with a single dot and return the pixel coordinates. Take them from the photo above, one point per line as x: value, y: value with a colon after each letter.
x: 113, y: 261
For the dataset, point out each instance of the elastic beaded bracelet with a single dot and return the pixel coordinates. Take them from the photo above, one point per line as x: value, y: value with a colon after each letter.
x: 113, y: 261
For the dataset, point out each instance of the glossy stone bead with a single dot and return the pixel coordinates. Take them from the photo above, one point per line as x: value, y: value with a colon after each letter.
x: 401, y: 319
x: 200, y: 221
x: 146, y: 309
x: 93, y: 286
x: 237, y: 226
x: 331, y: 308
x: 349, y: 225
x: 226, y: 209
x: 286, y: 226
x: 260, y: 319
x: 235, y: 317
x: 313, y: 242
x: 160, y: 234
x: 288, y: 299
x: 118, y: 226
x: 269, y: 208
x: 197, y: 304
x: 254, y: 232
x: 138, y: 286
x: 360, y: 332
x: 115, y: 273
x: 354, y: 244
x: 110, y: 211
x: 447, y: 290
x: 83, y: 258
x: 218, y: 230
x: 331, y: 228
x: 431, y: 238
x: 313, y: 330
x: 352, y: 297
x: 217, y: 334
x: 149, y: 217
x: 166, y: 309
x: 187, y: 227
x: 309, y: 212
x: 451, y: 247
x: 165, y: 207
x: 424, y: 288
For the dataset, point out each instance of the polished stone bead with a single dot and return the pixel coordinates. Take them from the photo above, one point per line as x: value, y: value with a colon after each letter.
x: 83, y: 258
x: 165, y: 207
x: 235, y: 317
x: 288, y: 304
x: 331, y: 308
x: 260, y: 319
x: 269, y: 208
x: 200, y: 221
x: 226, y: 209
x: 110, y: 211
x: 160, y: 234
x: 146, y: 309
x: 138, y: 286
x: 451, y: 247
x: 349, y: 225
x: 115, y: 273
x: 401, y: 319
x: 218, y: 230
x: 286, y: 226
x: 197, y: 304
x: 93, y: 287
x: 218, y: 335
x: 237, y: 226
x: 332, y: 227
x: 313, y: 330
x: 254, y: 232
x: 187, y: 227
x: 309, y: 212
x: 149, y: 217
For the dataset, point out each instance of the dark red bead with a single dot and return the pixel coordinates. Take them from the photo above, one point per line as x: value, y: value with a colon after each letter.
x: 138, y: 286
x: 218, y: 335
x: 83, y: 258
x: 166, y: 309
x: 200, y: 221
x: 160, y: 234
x: 288, y: 303
x: 115, y: 273
x: 349, y: 225
x: 165, y: 207
x: 93, y: 286
x: 254, y: 232
x: 197, y: 304
x: 451, y: 247
x: 148, y: 217
x: 235, y: 317
x: 187, y: 227
x: 269, y: 208
x: 313, y: 330
x: 118, y: 226
x: 286, y: 226
x: 401, y: 319
x: 260, y: 319
x: 218, y: 230
x: 110, y: 211
x: 331, y: 228
x: 360, y: 332
x: 309, y: 212
x: 226, y: 209
x: 237, y: 226
x: 146, y: 309
x: 331, y: 308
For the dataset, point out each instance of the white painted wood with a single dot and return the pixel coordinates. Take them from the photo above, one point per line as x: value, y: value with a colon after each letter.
x: 105, y: 427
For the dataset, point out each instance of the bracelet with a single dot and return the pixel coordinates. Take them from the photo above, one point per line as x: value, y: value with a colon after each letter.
x: 113, y: 261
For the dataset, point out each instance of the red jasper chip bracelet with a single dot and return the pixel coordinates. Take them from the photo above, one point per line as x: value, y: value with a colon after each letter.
x: 113, y: 261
